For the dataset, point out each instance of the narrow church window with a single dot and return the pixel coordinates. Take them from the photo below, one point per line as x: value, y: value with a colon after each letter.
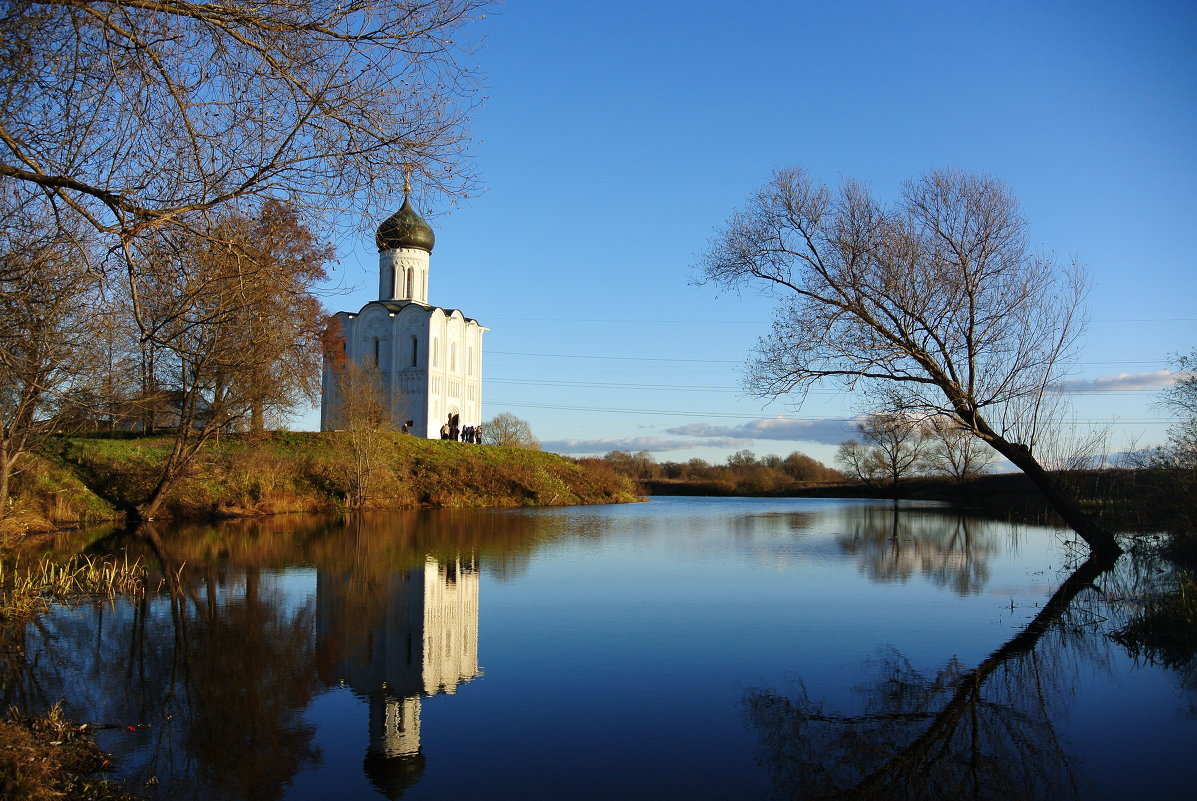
x: 470, y: 361
x: 409, y: 280
x: 377, y: 351
x: 415, y: 351
x: 436, y: 352
x: 453, y: 356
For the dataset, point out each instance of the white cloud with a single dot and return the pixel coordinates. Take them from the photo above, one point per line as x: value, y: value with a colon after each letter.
x: 1123, y: 381
x: 578, y: 447
x: 827, y: 432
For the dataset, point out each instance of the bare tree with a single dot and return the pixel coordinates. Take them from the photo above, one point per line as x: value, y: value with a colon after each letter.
x: 361, y: 413
x: 141, y: 113
x: 1173, y: 492
x: 47, y: 328
x: 861, y: 461
x: 507, y: 429
x: 1180, y: 451
x: 148, y: 121
x: 893, y: 448
x: 1181, y: 398
x: 954, y: 451
x: 227, y: 326
x: 935, y: 306
x: 742, y: 459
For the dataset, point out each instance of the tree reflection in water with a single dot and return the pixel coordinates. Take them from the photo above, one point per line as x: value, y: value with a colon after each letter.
x: 208, y: 684
x: 981, y: 733
x: 248, y: 681
x: 216, y: 675
x: 893, y: 546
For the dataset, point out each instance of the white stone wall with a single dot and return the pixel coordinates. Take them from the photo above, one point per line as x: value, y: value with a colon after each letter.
x: 454, y: 382
x: 403, y: 275
x: 429, y: 359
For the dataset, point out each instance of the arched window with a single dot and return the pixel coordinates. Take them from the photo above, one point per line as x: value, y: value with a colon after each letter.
x: 470, y: 361
x: 377, y: 351
x: 453, y: 356
x: 415, y: 351
x: 436, y: 352
x: 409, y: 282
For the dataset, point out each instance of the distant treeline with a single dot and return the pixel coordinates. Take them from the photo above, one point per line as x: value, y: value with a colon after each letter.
x: 742, y: 474
x: 1129, y: 500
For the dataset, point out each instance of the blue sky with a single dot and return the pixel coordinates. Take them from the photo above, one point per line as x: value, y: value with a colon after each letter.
x: 616, y: 137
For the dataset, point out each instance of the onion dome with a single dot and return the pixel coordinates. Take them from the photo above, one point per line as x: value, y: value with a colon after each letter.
x: 405, y: 229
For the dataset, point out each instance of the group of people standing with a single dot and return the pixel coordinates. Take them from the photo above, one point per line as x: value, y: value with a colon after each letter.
x: 468, y: 434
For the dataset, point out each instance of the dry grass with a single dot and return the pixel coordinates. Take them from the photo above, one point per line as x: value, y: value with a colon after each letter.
x: 305, y: 472
x: 47, y: 758
x: 25, y: 592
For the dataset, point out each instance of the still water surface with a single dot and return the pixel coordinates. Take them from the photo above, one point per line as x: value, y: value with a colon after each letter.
x: 684, y: 648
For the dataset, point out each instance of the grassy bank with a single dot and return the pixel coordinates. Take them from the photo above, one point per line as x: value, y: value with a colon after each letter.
x: 47, y: 758
x: 85, y: 479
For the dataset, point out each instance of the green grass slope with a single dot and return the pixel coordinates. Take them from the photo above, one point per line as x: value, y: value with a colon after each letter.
x: 84, y: 479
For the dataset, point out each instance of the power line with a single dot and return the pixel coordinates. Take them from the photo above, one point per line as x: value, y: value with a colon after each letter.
x: 670, y: 413
x: 625, y: 322
x: 710, y: 321
x: 615, y: 358
x: 734, y: 361
x: 735, y: 390
x: 612, y: 385
x: 1146, y: 320
x: 741, y: 416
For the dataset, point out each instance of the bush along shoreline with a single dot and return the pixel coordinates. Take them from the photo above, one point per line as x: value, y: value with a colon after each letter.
x: 82, y: 480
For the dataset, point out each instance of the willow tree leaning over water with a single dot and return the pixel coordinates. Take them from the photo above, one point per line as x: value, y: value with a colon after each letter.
x: 934, y: 306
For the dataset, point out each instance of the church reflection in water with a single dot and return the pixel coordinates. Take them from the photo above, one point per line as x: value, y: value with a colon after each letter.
x: 395, y: 639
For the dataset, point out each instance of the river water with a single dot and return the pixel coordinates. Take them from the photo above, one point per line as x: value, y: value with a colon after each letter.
x: 683, y: 648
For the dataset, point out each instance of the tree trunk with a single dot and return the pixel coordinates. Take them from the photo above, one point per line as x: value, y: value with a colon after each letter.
x: 11, y: 449
x: 173, y: 469
x: 148, y: 509
x: 5, y: 473
x: 1101, y: 542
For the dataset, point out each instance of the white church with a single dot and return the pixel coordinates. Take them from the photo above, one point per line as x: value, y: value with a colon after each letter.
x: 429, y: 359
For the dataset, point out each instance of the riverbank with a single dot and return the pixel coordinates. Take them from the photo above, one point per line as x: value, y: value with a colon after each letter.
x: 47, y: 758
x: 1125, y: 501
x: 80, y: 480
